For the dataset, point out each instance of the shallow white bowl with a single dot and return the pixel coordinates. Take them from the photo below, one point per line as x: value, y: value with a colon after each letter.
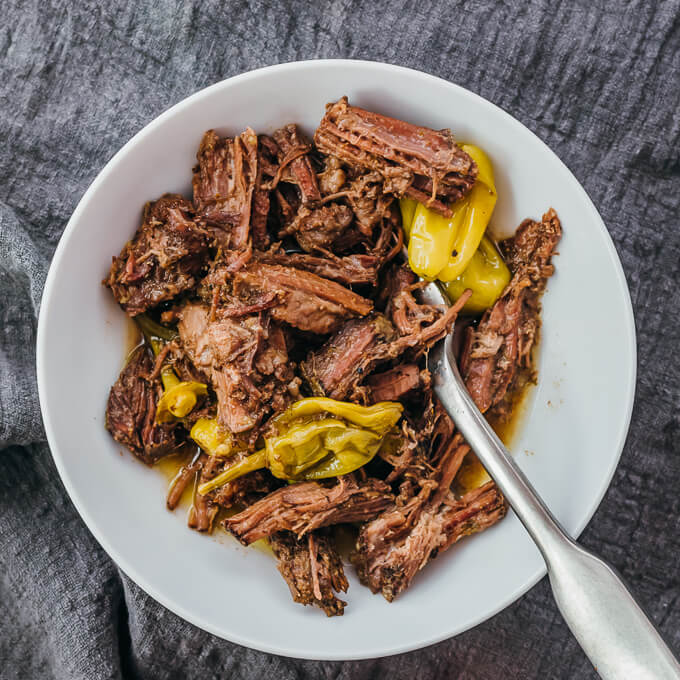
x: 571, y: 440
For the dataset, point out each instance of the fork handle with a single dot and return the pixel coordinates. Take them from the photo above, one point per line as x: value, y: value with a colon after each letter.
x: 609, y: 624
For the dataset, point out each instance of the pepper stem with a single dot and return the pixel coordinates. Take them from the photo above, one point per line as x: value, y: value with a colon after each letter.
x: 255, y: 461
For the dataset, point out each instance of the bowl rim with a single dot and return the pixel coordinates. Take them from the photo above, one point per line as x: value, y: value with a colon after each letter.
x: 42, y: 342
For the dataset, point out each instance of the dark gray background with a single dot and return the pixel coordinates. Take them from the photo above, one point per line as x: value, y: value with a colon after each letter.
x: 599, y: 82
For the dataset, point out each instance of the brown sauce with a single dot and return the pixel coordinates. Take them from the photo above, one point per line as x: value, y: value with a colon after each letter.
x: 170, y: 467
x: 472, y: 474
x: 507, y: 429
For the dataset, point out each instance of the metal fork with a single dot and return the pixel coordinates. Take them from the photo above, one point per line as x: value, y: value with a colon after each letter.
x: 609, y: 624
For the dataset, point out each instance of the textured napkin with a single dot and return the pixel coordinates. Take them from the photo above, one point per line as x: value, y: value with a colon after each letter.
x: 597, y: 81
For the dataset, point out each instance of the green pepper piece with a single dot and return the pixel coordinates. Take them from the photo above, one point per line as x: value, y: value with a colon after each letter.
x: 316, y: 449
x: 256, y: 461
x: 379, y: 417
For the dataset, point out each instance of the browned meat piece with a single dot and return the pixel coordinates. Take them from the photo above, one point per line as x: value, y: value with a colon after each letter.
x: 398, y: 382
x: 131, y: 411
x: 333, y: 177
x: 238, y: 492
x: 163, y: 258
x: 244, y: 490
x: 185, y: 477
x: 267, y: 169
x: 355, y: 269
x: 404, y: 451
x: 312, y: 569
x: 425, y: 520
x: 294, y: 162
x: 345, y: 359
x: 367, y: 199
x: 203, y: 510
x: 397, y: 278
x: 306, y: 301
x: 306, y: 506
x: 339, y: 367
x: 417, y: 161
x: 224, y: 181
x: 408, y: 315
x: 246, y: 360
x: 499, y: 351
x: 319, y: 228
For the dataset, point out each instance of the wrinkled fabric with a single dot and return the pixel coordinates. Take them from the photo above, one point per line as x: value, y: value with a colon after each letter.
x: 597, y: 81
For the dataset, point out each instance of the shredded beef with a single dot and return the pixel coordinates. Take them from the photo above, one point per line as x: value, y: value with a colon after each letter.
x: 306, y: 301
x: 246, y: 360
x: 345, y: 359
x: 319, y: 228
x: 425, y: 519
x: 331, y: 302
x: 294, y: 163
x: 417, y: 161
x: 306, y: 506
x: 162, y: 260
x: 244, y: 490
x: 356, y: 269
x: 183, y: 479
x: 267, y: 169
x: 203, y: 510
x: 131, y: 411
x: 312, y: 569
x: 398, y: 382
x: 224, y: 182
x: 499, y: 351
x: 339, y: 367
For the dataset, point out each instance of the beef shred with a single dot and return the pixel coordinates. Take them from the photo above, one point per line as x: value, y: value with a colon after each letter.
x: 497, y: 358
x: 131, y: 411
x: 283, y: 278
x: 312, y: 569
x: 163, y: 259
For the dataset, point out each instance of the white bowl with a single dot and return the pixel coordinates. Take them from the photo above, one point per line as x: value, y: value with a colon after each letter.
x: 572, y: 436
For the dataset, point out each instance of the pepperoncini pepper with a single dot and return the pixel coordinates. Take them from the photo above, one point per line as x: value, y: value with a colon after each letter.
x: 479, y: 204
x: 179, y: 397
x: 441, y: 247
x: 486, y: 276
x: 310, y: 445
x: 431, y: 240
x: 408, y: 210
x: 207, y: 433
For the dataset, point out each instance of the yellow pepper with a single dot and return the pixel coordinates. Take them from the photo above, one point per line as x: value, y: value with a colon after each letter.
x: 478, y: 206
x: 486, y: 275
x: 432, y: 239
x: 179, y: 398
x: 408, y: 210
x: 318, y: 448
x: 441, y: 247
x: 207, y: 433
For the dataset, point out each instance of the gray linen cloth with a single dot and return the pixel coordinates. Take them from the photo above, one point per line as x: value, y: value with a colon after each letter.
x: 598, y: 81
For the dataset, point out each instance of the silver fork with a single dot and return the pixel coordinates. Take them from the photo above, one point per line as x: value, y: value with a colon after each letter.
x: 609, y: 624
